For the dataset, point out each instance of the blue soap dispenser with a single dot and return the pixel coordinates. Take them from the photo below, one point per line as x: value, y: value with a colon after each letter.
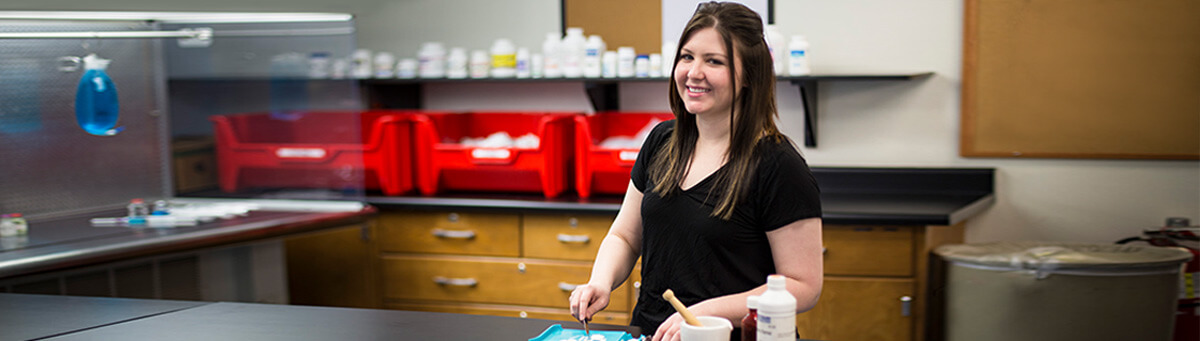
x: 96, y: 106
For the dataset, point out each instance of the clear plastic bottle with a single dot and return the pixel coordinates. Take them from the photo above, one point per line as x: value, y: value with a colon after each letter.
x: 572, y: 50
x: 750, y: 322
x: 776, y: 311
x: 96, y: 106
x: 798, y: 56
x: 504, y: 59
x: 779, y: 52
x: 138, y: 208
x: 550, y: 55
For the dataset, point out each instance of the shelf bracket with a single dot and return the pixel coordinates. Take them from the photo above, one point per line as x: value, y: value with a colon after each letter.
x: 605, y: 96
x: 808, y: 99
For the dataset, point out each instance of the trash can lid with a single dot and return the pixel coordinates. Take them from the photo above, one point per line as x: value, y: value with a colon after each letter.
x: 1048, y: 256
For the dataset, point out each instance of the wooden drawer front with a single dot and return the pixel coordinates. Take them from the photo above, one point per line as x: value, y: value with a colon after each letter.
x: 868, y: 250
x: 564, y: 237
x: 488, y: 280
x: 451, y: 233
x: 848, y: 304
x: 604, y: 317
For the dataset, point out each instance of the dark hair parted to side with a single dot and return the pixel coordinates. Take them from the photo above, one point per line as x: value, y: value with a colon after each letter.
x: 742, y: 31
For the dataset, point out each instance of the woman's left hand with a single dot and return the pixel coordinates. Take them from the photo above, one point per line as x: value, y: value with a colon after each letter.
x: 669, y: 329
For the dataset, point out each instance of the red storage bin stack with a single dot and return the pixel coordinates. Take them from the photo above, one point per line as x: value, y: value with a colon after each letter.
x: 445, y: 164
x: 605, y: 170
x: 336, y: 150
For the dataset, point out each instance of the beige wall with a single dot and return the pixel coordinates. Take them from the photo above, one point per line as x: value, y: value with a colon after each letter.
x: 876, y: 123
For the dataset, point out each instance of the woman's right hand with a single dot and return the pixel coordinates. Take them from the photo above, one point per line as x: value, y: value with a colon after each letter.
x: 588, y: 299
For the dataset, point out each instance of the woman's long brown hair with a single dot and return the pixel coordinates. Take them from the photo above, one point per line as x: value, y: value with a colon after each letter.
x: 742, y: 28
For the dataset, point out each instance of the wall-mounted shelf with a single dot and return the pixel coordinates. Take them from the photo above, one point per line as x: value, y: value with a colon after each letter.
x: 604, y: 93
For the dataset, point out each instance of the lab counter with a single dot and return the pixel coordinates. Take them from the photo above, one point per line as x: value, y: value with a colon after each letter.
x: 68, y: 242
x: 97, y: 318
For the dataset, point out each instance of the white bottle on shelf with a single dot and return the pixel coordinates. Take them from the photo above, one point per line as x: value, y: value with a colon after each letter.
x: 456, y: 64
x: 537, y: 65
x: 776, y: 311
x: 609, y: 64
x: 504, y: 59
x: 593, y: 52
x: 431, y: 60
x: 668, y: 59
x: 480, y: 61
x: 572, y: 50
x: 523, y: 67
x: 779, y: 52
x: 798, y: 57
x: 550, y: 55
x: 625, y: 60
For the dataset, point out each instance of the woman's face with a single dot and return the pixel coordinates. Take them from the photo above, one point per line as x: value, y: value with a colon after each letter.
x: 702, y: 74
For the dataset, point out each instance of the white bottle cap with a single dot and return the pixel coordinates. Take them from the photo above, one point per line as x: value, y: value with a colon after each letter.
x: 776, y: 282
x: 752, y: 302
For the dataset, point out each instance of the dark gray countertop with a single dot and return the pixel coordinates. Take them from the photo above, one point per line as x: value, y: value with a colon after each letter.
x: 25, y: 317
x: 72, y: 241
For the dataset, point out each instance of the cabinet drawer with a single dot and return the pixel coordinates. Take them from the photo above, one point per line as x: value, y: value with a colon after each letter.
x: 574, y: 237
x: 868, y: 250
x: 450, y: 233
x: 849, y: 303
x: 542, y: 283
x: 604, y: 317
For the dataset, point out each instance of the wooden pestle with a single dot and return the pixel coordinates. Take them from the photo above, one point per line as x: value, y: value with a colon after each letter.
x: 683, y: 311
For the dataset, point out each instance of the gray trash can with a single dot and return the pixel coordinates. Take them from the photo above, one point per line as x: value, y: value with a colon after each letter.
x: 1060, y: 291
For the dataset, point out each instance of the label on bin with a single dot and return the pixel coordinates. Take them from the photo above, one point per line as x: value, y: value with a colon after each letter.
x: 480, y: 153
x: 300, y: 153
x: 628, y: 155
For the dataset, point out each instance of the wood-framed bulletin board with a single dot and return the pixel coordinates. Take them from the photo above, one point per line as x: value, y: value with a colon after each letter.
x: 1104, y: 79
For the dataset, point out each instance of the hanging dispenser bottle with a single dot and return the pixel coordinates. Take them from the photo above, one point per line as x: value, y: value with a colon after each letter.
x: 96, y: 105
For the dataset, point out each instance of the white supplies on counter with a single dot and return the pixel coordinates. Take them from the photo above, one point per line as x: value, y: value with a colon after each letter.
x: 630, y: 142
x: 798, y: 56
x: 776, y: 311
x: 502, y: 140
x: 504, y: 59
x: 480, y: 61
x: 572, y: 51
x: 550, y: 52
x: 13, y: 225
x: 431, y: 60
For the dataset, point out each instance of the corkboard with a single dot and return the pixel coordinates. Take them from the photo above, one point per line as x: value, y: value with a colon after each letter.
x: 636, y: 23
x: 1112, y: 79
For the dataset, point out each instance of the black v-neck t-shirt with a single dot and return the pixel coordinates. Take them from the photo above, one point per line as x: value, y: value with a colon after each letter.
x: 698, y: 256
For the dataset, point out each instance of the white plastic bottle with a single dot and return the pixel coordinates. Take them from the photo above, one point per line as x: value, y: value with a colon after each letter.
x: 625, y: 57
x: 779, y: 52
x: 523, y: 70
x: 550, y: 55
x: 537, y: 65
x: 456, y: 63
x: 480, y: 61
x: 609, y: 63
x: 431, y: 61
x: 798, y: 56
x: 776, y: 311
x: 593, y: 52
x: 504, y: 59
x: 572, y: 53
x: 668, y: 59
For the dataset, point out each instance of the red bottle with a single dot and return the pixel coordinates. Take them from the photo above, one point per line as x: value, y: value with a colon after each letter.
x: 750, y: 322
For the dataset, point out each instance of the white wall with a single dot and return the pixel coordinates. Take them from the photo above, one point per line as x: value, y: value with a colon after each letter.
x: 862, y: 123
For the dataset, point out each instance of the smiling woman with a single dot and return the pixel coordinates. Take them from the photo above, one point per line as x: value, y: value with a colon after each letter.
x: 717, y: 193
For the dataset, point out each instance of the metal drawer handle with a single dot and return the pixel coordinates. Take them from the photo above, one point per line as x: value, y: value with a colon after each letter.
x: 457, y: 234
x: 458, y: 282
x: 574, y: 238
x: 568, y: 287
x: 905, y: 305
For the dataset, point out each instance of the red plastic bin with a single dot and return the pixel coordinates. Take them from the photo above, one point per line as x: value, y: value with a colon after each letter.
x: 444, y: 164
x: 604, y: 170
x: 337, y: 150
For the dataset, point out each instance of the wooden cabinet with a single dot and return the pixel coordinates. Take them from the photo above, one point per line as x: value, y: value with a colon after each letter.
x: 876, y: 280
x: 332, y: 267
x: 505, y: 264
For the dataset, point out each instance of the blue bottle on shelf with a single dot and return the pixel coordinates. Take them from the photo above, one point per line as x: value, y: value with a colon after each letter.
x: 96, y: 106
